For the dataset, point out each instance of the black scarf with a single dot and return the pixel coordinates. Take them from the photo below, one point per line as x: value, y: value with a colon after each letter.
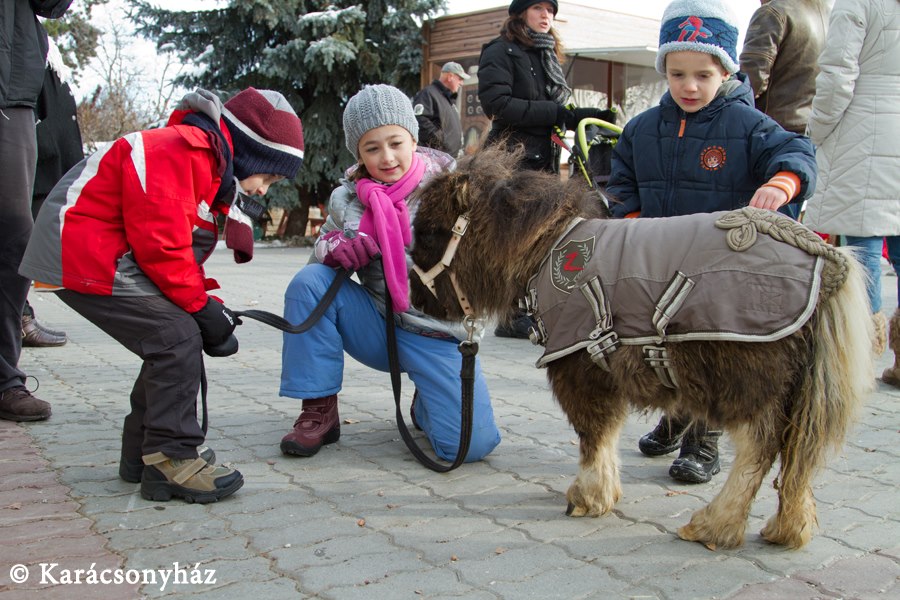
x: 224, y: 160
x: 557, y: 88
x: 238, y: 232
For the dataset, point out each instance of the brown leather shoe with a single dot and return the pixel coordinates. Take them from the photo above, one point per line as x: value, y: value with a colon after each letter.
x: 35, y: 335
x: 17, y: 404
x: 317, y: 425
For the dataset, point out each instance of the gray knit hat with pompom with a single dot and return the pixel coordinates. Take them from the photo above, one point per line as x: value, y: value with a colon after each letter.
x: 375, y: 106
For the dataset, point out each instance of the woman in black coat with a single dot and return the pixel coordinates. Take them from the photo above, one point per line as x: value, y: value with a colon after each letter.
x: 522, y: 87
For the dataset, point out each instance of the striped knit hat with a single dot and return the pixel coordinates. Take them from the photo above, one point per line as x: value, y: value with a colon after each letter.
x: 267, y: 134
x: 699, y: 26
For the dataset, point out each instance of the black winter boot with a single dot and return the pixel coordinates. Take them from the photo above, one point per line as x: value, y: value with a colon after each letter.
x: 699, y: 457
x: 665, y: 437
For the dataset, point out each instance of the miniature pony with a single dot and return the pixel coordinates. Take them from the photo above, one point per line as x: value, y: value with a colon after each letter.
x: 483, y: 232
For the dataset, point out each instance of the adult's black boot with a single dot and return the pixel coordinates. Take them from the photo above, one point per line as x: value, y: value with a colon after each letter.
x: 699, y: 457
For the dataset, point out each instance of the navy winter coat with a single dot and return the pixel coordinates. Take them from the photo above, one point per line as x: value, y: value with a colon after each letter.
x: 668, y: 162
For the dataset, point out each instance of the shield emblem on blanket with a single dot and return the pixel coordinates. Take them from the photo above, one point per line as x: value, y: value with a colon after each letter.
x: 568, y: 262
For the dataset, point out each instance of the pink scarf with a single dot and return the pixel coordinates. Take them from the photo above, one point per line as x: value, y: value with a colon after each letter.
x: 386, y: 218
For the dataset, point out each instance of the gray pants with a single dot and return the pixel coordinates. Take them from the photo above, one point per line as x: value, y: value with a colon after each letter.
x: 18, y: 157
x: 163, y: 414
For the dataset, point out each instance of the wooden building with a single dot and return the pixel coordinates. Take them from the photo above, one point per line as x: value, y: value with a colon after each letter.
x: 611, y: 58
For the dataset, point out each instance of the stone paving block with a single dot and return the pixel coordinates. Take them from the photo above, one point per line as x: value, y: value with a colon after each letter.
x: 224, y: 576
x: 782, y: 562
x: 32, y: 479
x: 266, y: 505
x: 279, y: 516
x: 124, y: 539
x: 163, y: 548
x: 326, y: 566
x: 271, y: 589
x: 66, y: 592
x: 582, y: 582
x: 430, y: 582
x: 612, y: 537
x: 782, y: 589
x: 719, y: 580
x: 864, y: 577
x: 54, y: 494
x: 513, y: 565
x: 438, y: 546
x: 78, y: 546
x: 860, y: 530
x: 45, y: 529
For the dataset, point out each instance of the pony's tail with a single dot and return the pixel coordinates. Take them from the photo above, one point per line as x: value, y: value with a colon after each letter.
x: 842, y: 373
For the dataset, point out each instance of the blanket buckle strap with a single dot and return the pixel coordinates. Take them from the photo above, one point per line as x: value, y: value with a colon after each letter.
x: 606, y: 341
x: 537, y: 333
x: 670, y: 302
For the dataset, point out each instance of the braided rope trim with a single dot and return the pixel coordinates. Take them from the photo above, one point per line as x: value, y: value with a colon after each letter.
x: 743, y: 225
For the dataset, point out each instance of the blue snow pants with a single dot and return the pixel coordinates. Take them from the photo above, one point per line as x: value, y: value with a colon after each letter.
x: 312, y: 363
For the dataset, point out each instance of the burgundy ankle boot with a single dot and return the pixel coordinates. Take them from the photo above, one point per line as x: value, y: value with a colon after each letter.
x: 317, y: 425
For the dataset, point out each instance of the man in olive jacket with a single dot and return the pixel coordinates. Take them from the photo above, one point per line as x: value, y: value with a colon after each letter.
x: 780, y: 54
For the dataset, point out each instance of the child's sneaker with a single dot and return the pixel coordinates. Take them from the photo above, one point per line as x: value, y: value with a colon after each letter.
x: 131, y: 470
x: 192, y: 479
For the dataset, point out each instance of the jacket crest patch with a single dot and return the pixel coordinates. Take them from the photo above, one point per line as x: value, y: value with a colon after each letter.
x: 568, y: 262
x: 713, y: 158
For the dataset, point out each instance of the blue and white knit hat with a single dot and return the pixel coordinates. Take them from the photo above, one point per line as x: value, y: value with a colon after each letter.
x: 699, y: 26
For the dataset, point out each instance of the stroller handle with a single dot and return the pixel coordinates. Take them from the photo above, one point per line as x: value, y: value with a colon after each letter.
x: 582, y: 124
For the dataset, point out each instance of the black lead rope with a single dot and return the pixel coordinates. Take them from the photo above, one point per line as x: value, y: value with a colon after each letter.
x: 284, y: 325
x: 468, y: 349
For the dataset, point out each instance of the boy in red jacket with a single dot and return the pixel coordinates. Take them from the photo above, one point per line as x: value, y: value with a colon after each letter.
x: 126, y: 232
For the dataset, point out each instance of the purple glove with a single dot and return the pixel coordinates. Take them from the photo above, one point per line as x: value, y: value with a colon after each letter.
x: 351, y: 253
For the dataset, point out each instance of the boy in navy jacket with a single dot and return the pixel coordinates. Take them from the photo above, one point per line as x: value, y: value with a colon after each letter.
x: 704, y: 148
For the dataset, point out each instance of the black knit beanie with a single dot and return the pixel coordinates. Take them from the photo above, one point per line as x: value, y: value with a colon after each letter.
x: 519, y: 6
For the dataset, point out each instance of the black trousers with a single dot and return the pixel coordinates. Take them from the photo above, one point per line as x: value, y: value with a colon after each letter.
x: 163, y: 414
x: 18, y: 156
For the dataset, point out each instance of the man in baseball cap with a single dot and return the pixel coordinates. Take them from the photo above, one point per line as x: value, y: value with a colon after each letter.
x: 436, y: 110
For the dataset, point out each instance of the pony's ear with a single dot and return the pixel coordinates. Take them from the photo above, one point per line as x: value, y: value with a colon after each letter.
x: 462, y: 184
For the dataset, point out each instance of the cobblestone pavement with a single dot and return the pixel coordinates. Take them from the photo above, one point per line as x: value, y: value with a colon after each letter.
x: 362, y: 519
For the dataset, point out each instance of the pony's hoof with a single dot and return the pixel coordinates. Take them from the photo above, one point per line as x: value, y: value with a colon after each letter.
x: 726, y: 540
x: 792, y: 539
x: 576, y: 511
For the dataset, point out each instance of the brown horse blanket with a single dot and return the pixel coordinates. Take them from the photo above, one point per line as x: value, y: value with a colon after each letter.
x: 671, y: 279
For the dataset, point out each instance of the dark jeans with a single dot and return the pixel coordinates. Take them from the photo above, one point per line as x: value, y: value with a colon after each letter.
x: 163, y: 414
x: 18, y: 156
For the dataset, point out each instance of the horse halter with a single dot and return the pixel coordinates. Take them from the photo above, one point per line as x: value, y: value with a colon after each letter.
x: 428, y: 277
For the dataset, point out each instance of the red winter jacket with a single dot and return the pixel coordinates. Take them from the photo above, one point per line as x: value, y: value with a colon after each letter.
x: 134, y: 219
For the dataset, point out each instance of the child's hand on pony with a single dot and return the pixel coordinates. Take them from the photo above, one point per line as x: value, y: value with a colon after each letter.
x: 769, y: 198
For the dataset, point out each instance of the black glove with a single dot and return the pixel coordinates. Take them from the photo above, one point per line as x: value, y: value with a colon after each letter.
x: 216, y: 322
x: 226, y: 348
x: 575, y: 115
